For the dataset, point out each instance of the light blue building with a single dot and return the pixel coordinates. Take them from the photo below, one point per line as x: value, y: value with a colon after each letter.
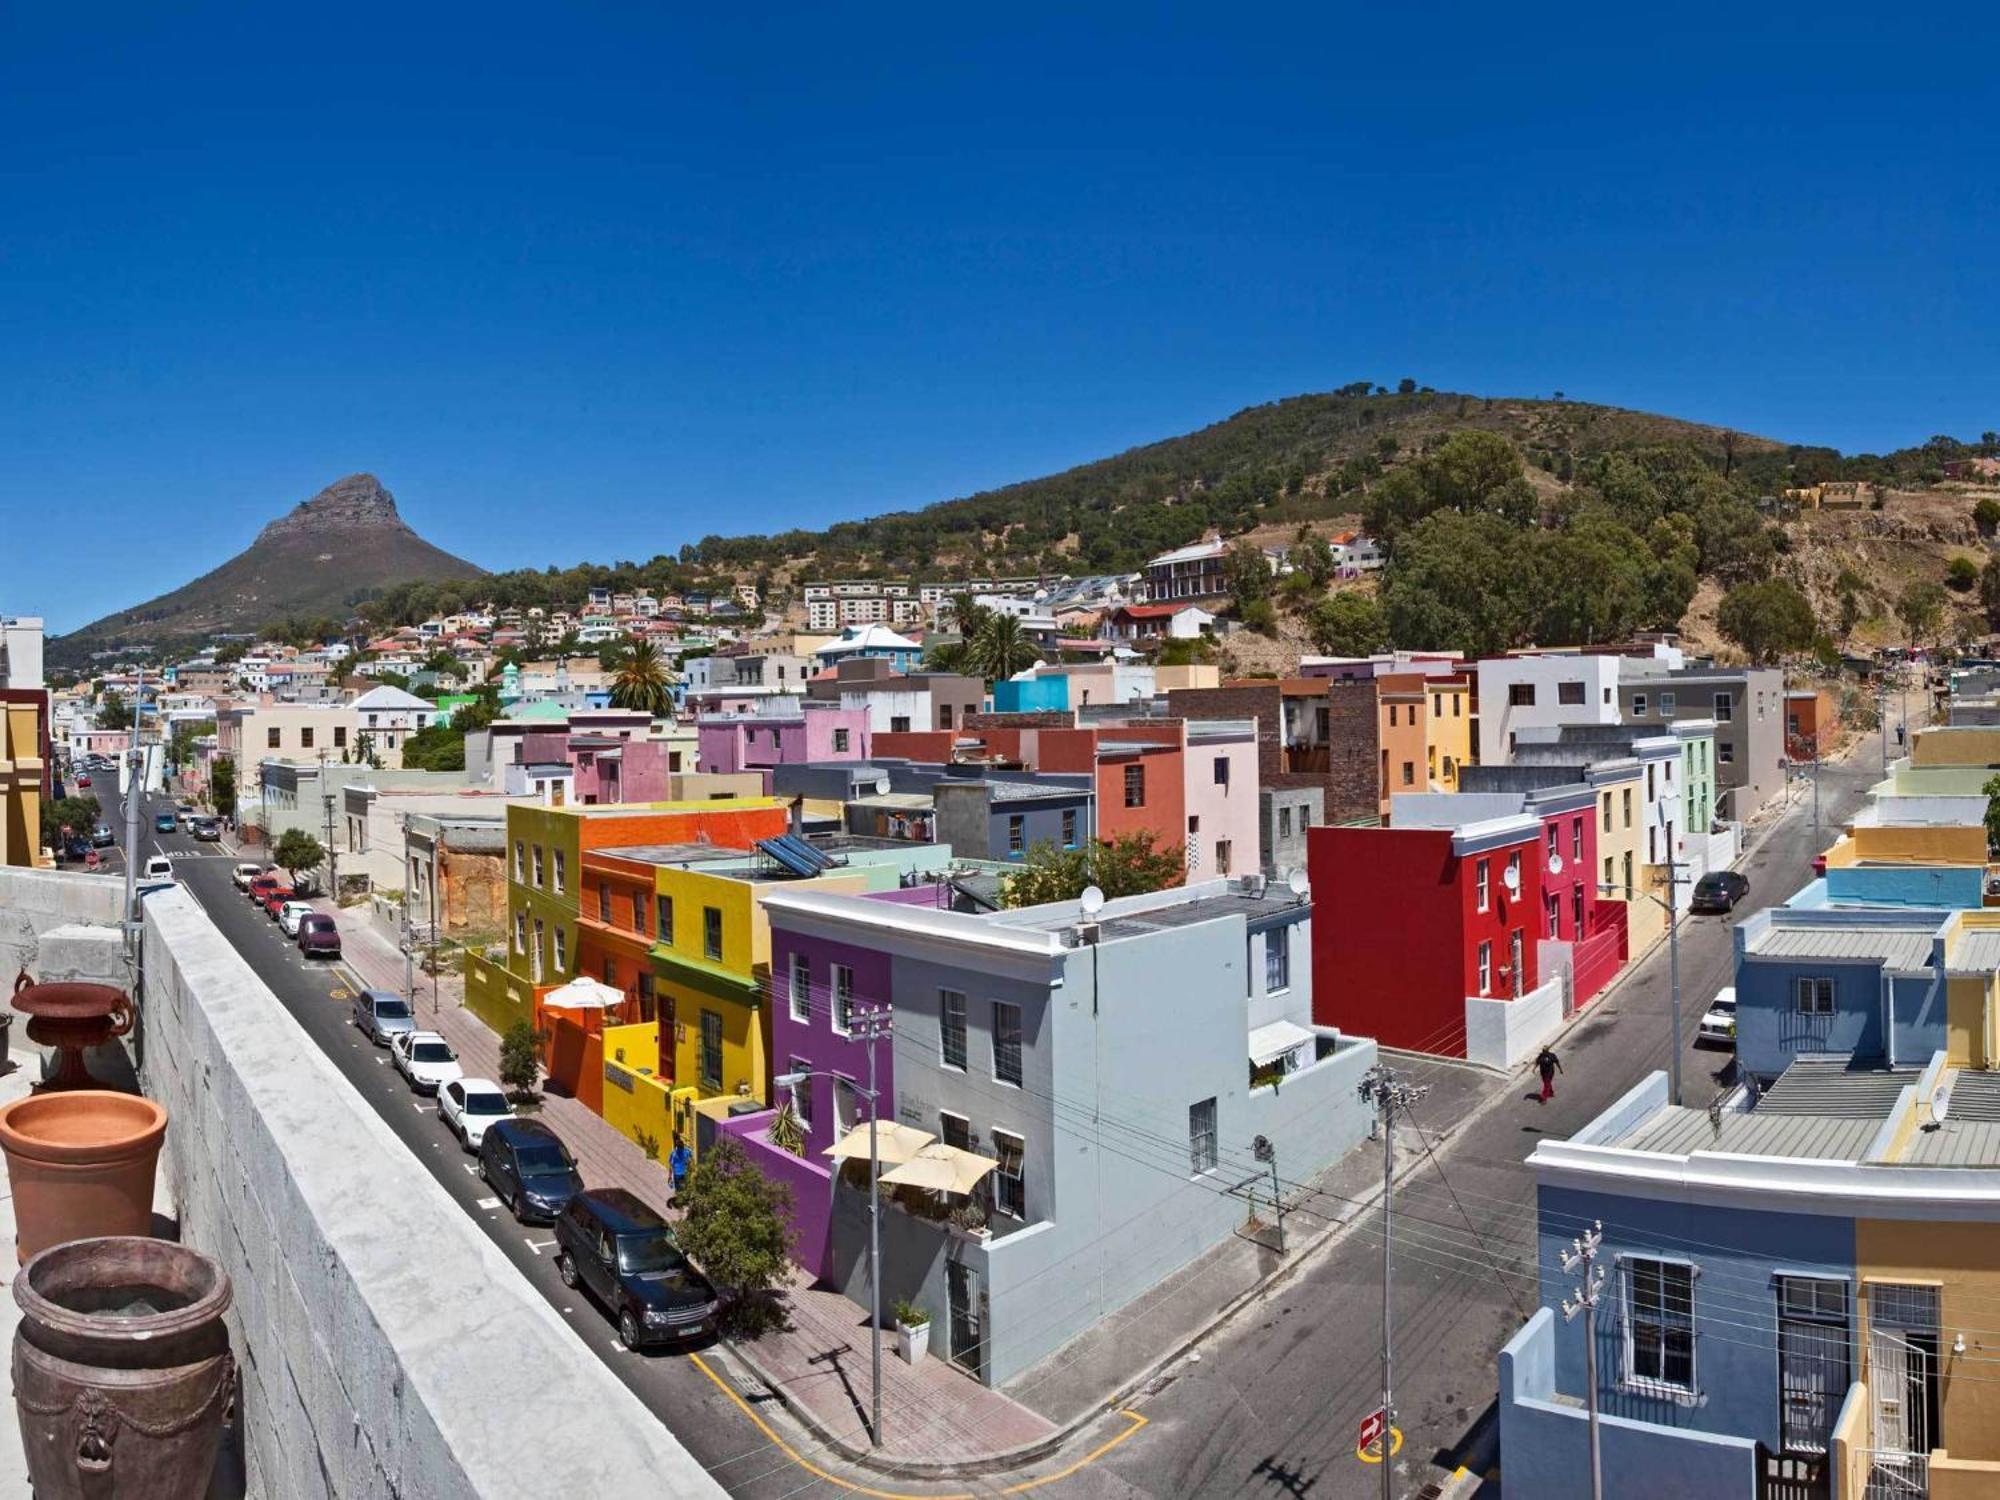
x: 1042, y: 693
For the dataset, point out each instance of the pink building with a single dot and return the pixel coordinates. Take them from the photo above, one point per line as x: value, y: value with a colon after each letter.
x: 759, y: 741
x: 607, y: 767
x: 1221, y: 771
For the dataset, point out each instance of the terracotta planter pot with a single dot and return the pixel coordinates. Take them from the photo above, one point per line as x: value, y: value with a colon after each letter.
x: 81, y: 1164
x: 122, y: 1371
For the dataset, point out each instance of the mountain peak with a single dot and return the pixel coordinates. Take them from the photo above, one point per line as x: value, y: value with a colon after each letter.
x: 357, y: 502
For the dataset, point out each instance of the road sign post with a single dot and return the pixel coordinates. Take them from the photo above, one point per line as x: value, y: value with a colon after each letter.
x: 1374, y: 1428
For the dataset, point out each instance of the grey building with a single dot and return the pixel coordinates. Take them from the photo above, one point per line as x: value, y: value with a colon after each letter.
x: 1002, y: 819
x: 1748, y: 706
x: 1118, y: 1071
x: 1284, y: 814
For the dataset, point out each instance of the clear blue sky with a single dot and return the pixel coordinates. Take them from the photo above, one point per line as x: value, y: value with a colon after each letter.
x: 591, y: 281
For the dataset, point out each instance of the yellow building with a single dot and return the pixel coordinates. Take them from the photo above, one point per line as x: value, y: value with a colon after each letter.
x: 21, y: 772
x: 1448, y: 730
x: 1621, y: 851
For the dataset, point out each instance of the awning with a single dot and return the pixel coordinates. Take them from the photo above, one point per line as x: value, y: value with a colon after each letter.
x: 942, y: 1169
x: 894, y: 1143
x: 1269, y: 1043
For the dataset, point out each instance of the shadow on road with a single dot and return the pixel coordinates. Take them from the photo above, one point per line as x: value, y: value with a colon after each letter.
x: 1293, y: 1481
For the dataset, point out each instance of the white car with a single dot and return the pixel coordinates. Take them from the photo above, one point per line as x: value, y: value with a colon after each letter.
x: 425, y: 1059
x: 469, y: 1105
x: 289, y: 914
x: 1718, y: 1024
x: 159, y: 867
x: 246, y: 872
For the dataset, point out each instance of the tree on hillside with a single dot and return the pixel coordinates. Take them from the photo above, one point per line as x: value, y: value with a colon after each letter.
x: 1312, y: 555
x: 1768, y: 619
x: 737, y: 1228
x: 298, y: 850
x: 435, y: 747
x: 1463, y: 583
x: 1960, y: 574
x: 643, y: 681
x: 1989, y: 591
x: 113, y: 712
x: 1921, y: 609
x: 1986, y: 515
x: 1126, y: 866
x: 1248, y: 573
x: 1348, y: 623
x: 222, y: 786
x: 1472, y: 473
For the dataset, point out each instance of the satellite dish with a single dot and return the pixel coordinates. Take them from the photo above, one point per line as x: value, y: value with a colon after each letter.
x: 1555, y: 864
x: 881, y: 786
x: 1297, y: 883
x: 1092, y: 901
x: 1940, y: 1102
x: 1511, y: 877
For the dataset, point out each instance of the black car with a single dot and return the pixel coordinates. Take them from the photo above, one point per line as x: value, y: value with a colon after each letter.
x: 527, y: 1164
x: 1719, y: 891
x: 624, y: 1252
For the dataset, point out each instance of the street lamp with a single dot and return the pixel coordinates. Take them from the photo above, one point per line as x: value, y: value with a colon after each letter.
x: 868, y: 1025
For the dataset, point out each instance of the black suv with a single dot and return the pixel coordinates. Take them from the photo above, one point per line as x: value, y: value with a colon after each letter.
x: 527, y: 1164
x: 614, y: 1244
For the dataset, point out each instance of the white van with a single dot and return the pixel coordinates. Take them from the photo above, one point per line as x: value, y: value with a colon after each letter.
x: 159, y: 867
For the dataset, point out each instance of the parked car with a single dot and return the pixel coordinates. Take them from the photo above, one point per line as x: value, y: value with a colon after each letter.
x: 207, y: 830
x: 425, y: 1060
x: 319, y: 937
x: 381, y: 1014
x: 244, y: 873
x: 78, y: 849
x: 529, y: 1168
x: 159, y: 867
x: 262, y: 886
x: 100, y: 836
x: 164, y: 823
x: 1719, y: 891
x: 184, y: 814
x: 469, y: 1105
x: 622, y: 1250
x: 83, y: 781
x: 275, y: 900
x: 1718, y: 1023
x: 289, y: 915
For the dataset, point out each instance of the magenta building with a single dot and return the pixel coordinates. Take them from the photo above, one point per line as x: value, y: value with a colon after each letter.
x: 729, y: 743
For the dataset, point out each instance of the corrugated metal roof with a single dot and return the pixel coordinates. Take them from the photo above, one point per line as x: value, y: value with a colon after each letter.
x: 1894, y: 947
x: 1975, y: 1096
x: 1680, y: 1131
x: 1830, y: 1088
x: 1978, y: 952
x: 1956, y: 1143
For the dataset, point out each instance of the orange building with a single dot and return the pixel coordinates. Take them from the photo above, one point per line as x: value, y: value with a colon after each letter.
x: 1812, y: 718
x: 1403, y: 706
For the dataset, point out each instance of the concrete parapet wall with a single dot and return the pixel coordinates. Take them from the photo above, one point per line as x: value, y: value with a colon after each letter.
x: 35, y: 904
x: 386, y: 1347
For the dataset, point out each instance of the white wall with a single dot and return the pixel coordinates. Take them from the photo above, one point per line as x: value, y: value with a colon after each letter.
x: 1506, y: 1033
x: 1498, y: 718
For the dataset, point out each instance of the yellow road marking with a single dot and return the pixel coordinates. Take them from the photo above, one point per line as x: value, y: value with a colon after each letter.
x: 1395, y: 1447
x: 817, y: 1472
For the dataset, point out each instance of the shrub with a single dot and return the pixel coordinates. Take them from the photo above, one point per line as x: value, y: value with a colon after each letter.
x: 1960, y: 574
x: 738, y: 1230
x: 519, y: 1064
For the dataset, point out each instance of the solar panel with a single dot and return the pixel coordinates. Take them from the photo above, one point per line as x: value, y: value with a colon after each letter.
x: 819, y: 858
x: 791, y: 859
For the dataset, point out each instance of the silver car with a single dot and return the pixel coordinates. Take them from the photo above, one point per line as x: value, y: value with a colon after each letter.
x: 382, y: 1014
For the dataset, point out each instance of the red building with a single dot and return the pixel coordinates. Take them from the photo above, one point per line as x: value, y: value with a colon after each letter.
x: 1429, y: 938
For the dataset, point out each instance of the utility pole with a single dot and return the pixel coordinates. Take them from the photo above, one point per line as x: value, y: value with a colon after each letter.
x: 871, y: 1025
x: 326, y: 809
x: 1583, y: 1254
x: 1882, y: 717
x: 1386, y: 1090
x: 135, y: 780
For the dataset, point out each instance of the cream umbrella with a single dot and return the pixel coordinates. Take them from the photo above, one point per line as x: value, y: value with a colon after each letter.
x: 584, y: 993
x: 942, y: 1169
x: 893, y: 1143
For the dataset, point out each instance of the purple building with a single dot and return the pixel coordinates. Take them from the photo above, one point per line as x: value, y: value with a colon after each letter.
x: 798, y: 736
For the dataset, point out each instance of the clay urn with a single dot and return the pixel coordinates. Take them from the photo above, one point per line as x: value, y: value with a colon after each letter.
x: 81, y: 1163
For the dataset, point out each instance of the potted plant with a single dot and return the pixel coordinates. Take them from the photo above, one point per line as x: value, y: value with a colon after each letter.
x: 913, y: 1329
x: 968, y: 1219
x: 787, y: 1132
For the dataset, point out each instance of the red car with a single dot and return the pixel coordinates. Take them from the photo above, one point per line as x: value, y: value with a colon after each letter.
x: 318, y: 937
x: 275, y: 898
x: 83, y: 781
x: 263, y: 885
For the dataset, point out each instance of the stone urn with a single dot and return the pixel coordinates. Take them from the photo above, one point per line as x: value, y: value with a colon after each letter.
x: 122, y: 1371
x: 71, y: 1018
x: 81, y: 1163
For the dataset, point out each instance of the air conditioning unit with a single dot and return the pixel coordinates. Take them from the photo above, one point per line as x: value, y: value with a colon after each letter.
x: 1253, y: 885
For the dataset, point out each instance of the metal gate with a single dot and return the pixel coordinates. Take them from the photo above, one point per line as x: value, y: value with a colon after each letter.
x: 963, y: 1294
x: 1902, y: 1343
x: 1812, y: 1361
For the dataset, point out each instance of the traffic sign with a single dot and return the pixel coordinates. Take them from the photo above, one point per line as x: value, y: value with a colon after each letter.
x: 1372, y: 1427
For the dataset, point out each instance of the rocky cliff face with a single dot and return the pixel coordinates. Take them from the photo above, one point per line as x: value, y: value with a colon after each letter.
x: 357, y: 503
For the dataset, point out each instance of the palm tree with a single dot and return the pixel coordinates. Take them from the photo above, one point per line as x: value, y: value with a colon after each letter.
x: 999, y: 650
x: 643, y: 681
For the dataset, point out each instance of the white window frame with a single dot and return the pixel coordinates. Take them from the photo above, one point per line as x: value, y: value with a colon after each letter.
x: 1486, y: 968
x: 1629, y: 1377
x: 1808, y: 993
x: 946, y: 1010
x: 1203, y: 1137
x: 1278, y: 947
x: 721, y: 1050
x: 1001, y: 1007
x: 840, y: 998
x: 798, y: 987
x: 1019, y: 1178
x: 1482, y: 885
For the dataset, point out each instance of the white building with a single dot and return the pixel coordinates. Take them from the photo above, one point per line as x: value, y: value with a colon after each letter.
x: 1541, y: 692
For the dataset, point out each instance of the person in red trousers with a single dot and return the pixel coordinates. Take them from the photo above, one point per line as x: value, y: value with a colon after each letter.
x: 1548, y: 1065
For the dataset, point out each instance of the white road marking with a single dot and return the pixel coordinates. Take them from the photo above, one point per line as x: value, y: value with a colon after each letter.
x: 422, y: 1108
x: 488, y: 1202
x: 471, y: 1166
x: 538, y: 1246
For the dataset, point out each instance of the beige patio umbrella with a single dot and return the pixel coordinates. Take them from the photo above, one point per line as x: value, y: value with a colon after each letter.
x: 893, y: 1143
x: 584, y: 993
x: 942, y: 1169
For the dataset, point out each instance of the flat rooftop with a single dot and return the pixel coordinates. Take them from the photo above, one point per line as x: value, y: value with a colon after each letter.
x: 1276, y: 903
x: 1677, y: 1131
x: 1897, y: 947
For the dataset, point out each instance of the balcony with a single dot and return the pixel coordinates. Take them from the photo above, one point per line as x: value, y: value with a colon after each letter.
x: 1308, y: 760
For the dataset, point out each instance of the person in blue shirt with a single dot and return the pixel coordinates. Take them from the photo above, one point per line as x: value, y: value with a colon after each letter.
x: 678, y: 1164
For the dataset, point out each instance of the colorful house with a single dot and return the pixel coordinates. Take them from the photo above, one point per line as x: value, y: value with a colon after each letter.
x: 795, y: 732
x: 1907, y: 851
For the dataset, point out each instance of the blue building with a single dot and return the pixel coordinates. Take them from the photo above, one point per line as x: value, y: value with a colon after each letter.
x: 1045, y: 692
x: 879, y: 642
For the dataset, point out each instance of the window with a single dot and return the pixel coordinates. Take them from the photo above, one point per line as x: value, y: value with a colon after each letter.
x: 1222, y: 770
x: 1224, y: 852
x: 610, y: 971
x: 899, y: 724
x: 1554, y: 903
x: 340, y: 736
x: 639, y: 912
x: 1638, y: 705
x: 1627, y: 806
x: 1485, y: 968
x: 1284, y: 822
x: 1482, y: 885
x: 540, y: 868
x: 1812, y: 1359
x: 846, y: 1106
x: 1409, y: 773
x: 1555, y: 842
x: 1659, y: 1323
x: 604, y: 904
x: 1814, y: 995
x: 1010, y: 1195
x: 711, y: 933
x: 1392, y: 716
x: 1725, y: 707
x: 802, y: 1092
x: 1609, y: 870
x: 1607, y: 812
x: 944, y: 716
x: 1667, y: 705
x: 646, y: 1009
x: 798, y: 988
x: 841, y: 984
x: 663, y: 919
x: 520, y: 932
x: 1201, y: 1136
x: 1017, y: 833
x: 951, y: 1028
x: 535, y: 954
x: 560, y: 936
x: 1277, y: 960
x: 1725, y: 753
x: 558, y: 870
x: 1135, y: 786
x: 1437, y: 705
x: 1069, y: 828
x: 271, y: 738
x: 306, y: 737
x: 1569, y: 692
x: 1652, y: 789
x: 1007, y: 1042
x: 839, y: 741
x: 711, y: 1050
x: 1576, y: 911
x: 1628, y: 874
x: 1520, y: 695
x: 520, y: 860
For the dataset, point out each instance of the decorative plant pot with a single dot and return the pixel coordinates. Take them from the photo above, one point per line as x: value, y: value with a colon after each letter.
x: 913, y: 1341
x: 122, y: 1371
x: 81, y: 1163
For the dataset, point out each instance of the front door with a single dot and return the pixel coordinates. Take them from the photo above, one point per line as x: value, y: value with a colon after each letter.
x: 962, y: 1291
x: 1902, y: 1381
x: 1812, y: 1360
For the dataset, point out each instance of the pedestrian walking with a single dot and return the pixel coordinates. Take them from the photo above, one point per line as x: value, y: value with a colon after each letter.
x: 1548, y: 1065
x: 678, y: 1164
